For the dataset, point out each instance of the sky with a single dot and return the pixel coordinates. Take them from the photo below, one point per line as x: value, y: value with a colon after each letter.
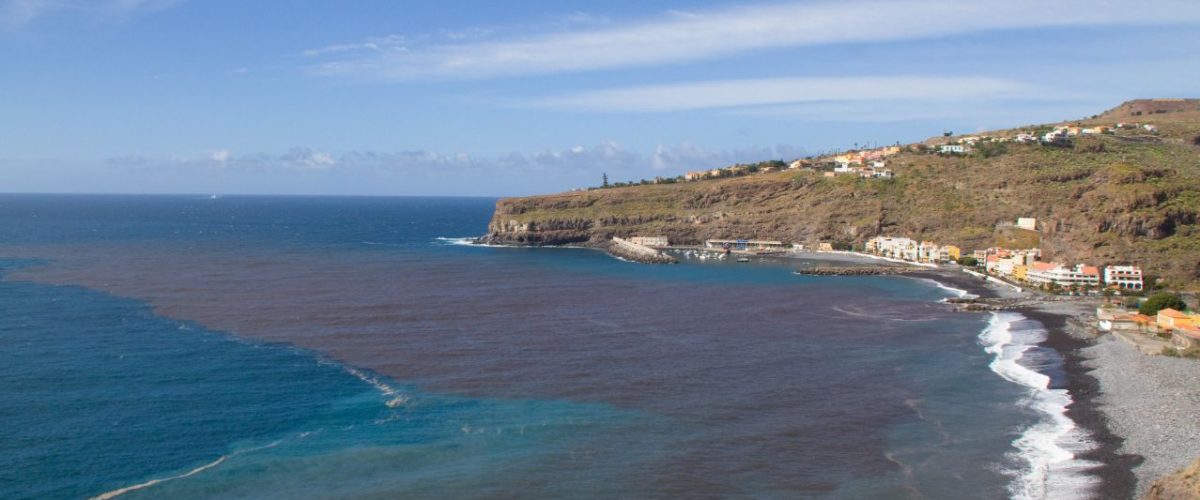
x: 423, y: 97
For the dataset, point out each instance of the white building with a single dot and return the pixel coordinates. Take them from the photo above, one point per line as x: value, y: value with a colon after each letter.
x: 1029, y: 223
x: 1124, y: 277
x: 896, y: 248
x: 1047, y: 272
x: 955, y: 149
x: 1056, y: 136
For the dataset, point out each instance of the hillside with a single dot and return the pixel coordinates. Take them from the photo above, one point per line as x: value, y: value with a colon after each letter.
x: 1128, y: 198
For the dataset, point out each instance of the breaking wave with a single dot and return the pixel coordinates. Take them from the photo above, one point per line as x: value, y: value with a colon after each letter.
x: 1046, y: 450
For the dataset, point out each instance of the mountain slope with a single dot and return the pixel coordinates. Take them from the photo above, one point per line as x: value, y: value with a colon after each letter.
x: 1129, y: 198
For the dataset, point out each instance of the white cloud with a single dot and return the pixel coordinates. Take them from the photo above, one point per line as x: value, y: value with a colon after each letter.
x: 391, y: 43
x: 774, y: 91
x: 220, y: 155
x: 680, y: 37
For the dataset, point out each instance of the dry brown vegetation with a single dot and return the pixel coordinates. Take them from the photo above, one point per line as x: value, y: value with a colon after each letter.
x: 1106, y: 200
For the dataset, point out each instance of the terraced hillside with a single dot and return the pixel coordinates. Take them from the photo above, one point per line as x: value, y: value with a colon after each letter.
x: 1133, y: 197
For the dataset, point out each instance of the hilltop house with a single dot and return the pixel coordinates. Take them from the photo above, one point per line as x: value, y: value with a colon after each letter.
x: 1029, y: 223
x: 1057, y: 136
x: 955, y: 149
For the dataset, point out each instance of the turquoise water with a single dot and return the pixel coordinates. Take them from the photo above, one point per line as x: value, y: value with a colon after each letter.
x: 186, y: 347
x: 102, y: 394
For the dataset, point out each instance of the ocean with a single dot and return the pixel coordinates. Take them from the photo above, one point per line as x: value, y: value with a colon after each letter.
x: 321, y: 347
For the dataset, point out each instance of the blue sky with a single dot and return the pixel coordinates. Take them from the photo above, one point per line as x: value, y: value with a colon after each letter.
x: 511, y: 98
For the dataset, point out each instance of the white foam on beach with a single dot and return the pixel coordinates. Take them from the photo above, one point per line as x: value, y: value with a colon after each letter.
x: 1049, y: 447
x: 197, y: 470
x: 394, y: 397
x: 957, y: 292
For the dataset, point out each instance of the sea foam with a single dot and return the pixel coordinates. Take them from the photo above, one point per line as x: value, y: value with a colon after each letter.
x: 1048, y: 449
x: 395, y: 398
x: 121, y: 491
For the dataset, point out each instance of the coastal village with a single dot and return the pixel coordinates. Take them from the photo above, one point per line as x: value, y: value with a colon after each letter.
x: 872, y: 163
x: 1123, y: 285
x: 1166, y: 331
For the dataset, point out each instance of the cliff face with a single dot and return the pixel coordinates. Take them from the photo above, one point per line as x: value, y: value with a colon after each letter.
x: 1107, y: 200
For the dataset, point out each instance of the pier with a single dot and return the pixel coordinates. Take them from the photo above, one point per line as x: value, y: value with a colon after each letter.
x: 629, y: 250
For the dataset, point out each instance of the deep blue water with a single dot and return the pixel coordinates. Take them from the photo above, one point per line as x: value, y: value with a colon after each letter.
x: 349, y: 347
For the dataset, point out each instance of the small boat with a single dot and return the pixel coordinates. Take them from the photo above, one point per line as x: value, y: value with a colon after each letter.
x: 743, y: 259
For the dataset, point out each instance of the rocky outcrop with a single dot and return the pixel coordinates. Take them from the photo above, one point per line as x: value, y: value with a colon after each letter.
x: 1182, y: 485
x: 549, y: 232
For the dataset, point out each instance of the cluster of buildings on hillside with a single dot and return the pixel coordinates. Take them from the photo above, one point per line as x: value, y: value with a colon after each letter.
x: 866, y: 163
x: 872, y: 163
x: 735, y: 171
x: 1182, y: 328
x: 1060, y: 135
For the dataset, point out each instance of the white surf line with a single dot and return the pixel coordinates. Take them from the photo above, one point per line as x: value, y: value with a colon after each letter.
x: 470, y: 242
x: 957, y: 292
x: 1052, y: 471
x: 395, y: 397
x: 993, y: 279
x: 197, y: 470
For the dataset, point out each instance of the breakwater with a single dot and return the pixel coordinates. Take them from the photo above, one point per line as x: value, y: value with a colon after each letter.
x: 629, y: 250
x: 857, y: 271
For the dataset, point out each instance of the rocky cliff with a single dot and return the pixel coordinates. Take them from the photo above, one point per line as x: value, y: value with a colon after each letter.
x: 1128, y: 198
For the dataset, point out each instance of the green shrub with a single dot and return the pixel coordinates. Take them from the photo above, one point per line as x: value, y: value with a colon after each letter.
x: 1160, y: 301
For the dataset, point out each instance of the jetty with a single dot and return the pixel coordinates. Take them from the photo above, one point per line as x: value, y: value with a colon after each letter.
x: 857, y: 270
x: 635, y: 252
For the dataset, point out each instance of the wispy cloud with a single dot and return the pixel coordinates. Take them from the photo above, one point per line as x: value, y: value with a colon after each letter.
x: 15, y: 14
x: 775, y: 91
x: 681, y: 37
x: 605, y: 156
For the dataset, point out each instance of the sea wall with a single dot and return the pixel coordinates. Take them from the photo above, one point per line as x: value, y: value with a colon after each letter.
x: 629, y: 250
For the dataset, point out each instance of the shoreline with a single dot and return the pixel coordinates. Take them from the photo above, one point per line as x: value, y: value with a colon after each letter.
x: 1138, y: 410
x: 1127, y: 446
x: 1116, y: 468
x: 1115, y: 472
